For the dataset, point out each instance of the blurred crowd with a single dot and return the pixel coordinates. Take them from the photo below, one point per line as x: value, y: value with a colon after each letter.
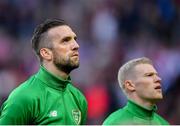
x: 110, y: 32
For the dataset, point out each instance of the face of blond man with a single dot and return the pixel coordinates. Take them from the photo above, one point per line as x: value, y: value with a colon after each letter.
x: 147, y: 83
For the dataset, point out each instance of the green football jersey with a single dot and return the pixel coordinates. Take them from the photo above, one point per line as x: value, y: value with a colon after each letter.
x: 134, y: 114
x: 44, y: 99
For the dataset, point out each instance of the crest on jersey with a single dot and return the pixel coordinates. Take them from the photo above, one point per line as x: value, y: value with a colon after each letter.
x: 76, y: 113
x: 53, y: 113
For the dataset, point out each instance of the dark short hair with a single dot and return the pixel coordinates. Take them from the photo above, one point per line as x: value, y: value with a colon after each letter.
x: 39, y: 39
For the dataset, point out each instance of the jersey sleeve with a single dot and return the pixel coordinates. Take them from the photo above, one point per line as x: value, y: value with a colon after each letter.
x: 16, y: 111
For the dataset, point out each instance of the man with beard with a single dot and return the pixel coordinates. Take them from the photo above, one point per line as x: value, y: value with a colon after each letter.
x: 48, y: 97
x: 142, y: 85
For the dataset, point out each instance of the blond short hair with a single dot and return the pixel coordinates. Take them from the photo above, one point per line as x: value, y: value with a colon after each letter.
x: 127, y: 68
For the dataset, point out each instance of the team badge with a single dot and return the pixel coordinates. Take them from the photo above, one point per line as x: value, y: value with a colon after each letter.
x: 53, y: 113
x: 76, y: 116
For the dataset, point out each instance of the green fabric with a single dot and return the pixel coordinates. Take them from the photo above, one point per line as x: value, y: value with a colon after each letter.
x: 44, y: 99
x: 134, y: 114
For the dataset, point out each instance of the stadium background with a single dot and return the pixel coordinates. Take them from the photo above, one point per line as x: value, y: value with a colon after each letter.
x: 110, y: 32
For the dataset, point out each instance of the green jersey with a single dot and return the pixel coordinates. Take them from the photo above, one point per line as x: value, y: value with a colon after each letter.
x: 44, y: 99
x: 134, y: 114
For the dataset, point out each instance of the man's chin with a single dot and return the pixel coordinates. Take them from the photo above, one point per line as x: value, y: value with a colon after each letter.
x: 75, y: 64
x: 67, y: 67
x: 158, y: 98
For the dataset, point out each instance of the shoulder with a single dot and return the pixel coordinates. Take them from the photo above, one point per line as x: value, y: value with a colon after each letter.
x: 115, y: 117
x: 161, y: 119
x: 23, y: 98
x: 18, y: 108
x: 25, y: 92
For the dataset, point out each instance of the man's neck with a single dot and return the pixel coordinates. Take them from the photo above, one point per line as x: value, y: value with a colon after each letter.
x: 52, y: 69
x: 142, y: 102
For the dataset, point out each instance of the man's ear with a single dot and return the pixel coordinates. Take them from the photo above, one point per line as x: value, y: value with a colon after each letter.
x: 46, y: 53
x: 129, y: 85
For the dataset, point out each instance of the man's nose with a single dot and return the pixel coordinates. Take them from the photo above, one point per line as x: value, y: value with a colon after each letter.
x: 158, y: 79
x: 75, y: 45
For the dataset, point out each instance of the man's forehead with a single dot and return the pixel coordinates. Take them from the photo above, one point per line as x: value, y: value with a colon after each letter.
x: 145, y: 68
x: 61, y: 31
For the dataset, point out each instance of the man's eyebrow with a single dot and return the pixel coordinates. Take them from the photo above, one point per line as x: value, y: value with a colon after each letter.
x: 149, y: 73
x: 66, y: 38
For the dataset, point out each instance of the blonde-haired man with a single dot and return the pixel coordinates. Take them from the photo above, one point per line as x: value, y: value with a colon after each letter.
x: 141, y: 84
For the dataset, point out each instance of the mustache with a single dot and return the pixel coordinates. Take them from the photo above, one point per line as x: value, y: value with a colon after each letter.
x: 75, y: 54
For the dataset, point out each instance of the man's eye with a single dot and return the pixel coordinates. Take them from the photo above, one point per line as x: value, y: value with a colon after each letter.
x: 66, y: 39
x: 149, y: 75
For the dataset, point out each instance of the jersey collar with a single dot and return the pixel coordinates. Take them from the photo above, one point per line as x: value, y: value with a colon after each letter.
x: 52, y: 80
x: 141, y: 111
